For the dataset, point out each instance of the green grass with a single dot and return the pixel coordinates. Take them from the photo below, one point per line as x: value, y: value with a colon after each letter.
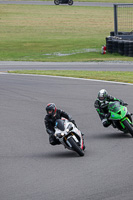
x: 117, y: 76
x: 55, y: 33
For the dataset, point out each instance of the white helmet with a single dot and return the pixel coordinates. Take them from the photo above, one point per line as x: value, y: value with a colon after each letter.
x: 102, y: 95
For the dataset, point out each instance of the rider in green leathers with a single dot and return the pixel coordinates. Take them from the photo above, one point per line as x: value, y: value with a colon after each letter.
x: 101, y: 105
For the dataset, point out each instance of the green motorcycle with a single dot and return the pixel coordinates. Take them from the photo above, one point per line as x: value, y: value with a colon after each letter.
x: 120, y: 117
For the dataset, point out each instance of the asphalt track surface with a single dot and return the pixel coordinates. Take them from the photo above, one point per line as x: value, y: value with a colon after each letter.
x: 90, y: 66
x: 31, y: 169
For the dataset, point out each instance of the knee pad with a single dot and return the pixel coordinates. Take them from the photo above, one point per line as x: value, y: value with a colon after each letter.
x: 52, y: 140
x: 105, y: 123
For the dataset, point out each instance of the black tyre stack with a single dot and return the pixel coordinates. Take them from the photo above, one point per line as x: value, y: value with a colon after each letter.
x: 126, y: 47
x: 121, y: 47
x: 118, y: 45
x: 130, y: 49
x: 115, y: 46
x: 109, y: 44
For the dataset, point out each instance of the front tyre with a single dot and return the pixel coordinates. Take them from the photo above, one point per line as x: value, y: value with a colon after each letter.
x: 76, y: 147
x: 128, y: 126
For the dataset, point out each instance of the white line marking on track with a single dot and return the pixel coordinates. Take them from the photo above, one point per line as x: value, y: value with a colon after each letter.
x: 63, y: 77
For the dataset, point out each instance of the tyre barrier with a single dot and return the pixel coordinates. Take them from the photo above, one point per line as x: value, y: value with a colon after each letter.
x: 118, y: 45
x: 115, y: 46
x: 109, y: 44
x: 120, y: 33
x: 126, y: 48
x: 121, y: 47
x: 130, y: 49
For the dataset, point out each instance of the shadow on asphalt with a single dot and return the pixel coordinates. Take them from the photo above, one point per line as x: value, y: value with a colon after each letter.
x: 55, y: 155
x: 45, y: 155
x: 111, y: 136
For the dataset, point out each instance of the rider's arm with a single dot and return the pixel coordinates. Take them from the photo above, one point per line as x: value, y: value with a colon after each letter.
x: 65, y: 115
x: 100, y: 112
x: 49, y: 128
x: 98, y: 109
x: 111, y: 98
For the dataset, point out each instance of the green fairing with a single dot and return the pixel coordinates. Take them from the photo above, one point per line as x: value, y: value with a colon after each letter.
x: 119, y: 116
x: 118, y: 112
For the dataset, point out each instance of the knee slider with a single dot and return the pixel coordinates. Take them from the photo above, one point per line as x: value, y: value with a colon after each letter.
x: 105, y: 123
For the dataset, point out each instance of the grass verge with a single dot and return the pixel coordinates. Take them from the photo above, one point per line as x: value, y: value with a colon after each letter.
x: 55, y: 33
x: 117, y: 76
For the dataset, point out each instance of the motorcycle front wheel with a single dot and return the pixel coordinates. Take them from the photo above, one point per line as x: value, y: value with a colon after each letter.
x: 128, y: 127
x: 56, y: 2
x: 76, y: 147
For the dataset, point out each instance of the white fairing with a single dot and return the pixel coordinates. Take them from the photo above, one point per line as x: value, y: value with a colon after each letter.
x: 69, y: 131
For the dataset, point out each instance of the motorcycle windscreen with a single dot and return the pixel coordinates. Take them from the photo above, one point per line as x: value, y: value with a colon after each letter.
x: 60, y: 124
x: 114, y: 106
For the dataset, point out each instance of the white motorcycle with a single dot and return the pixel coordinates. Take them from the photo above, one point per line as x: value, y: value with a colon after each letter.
x: 70, y: 136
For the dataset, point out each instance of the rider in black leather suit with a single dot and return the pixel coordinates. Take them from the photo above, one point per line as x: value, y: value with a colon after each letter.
x: 52, y: 115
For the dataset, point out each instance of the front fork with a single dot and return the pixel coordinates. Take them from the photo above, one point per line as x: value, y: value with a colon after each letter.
x: 76, y: 140
x: 126, y: 118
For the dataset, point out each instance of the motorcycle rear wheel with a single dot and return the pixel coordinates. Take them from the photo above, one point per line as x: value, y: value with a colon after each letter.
x: 128, y: 127
x: 70, y: 2
x: 56, y: 2
x: 76, y: 147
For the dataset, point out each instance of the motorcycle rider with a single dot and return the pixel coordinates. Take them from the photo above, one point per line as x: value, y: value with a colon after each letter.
x: 101, y: 105
x: 52, y: 115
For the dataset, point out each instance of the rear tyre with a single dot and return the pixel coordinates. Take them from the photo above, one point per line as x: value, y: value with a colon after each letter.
x: 56, y: 2
x: 70, y: 2
x: 76, y: 147
x: 128, y: 127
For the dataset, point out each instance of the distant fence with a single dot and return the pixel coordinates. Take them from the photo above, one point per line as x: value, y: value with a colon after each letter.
x: 121, y: 39
x: 123, y: 18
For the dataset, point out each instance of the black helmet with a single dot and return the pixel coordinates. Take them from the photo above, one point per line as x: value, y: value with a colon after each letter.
x: 51, y: 109
x: 102, y: 95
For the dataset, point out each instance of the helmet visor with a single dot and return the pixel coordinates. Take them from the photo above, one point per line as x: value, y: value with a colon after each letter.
x: 101, y: 98
x: 50, y: 112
